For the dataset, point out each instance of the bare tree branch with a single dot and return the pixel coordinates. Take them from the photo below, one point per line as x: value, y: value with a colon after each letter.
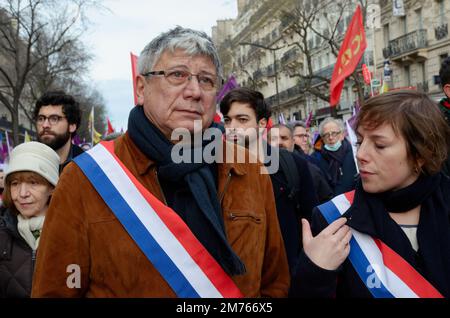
x: 302, y: 21
x: 39, y: 47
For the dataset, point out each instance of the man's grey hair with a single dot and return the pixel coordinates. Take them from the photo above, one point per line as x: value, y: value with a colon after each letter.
x: 288, y: 126
x: 327, y: 120
x: 191, y: 41
x: 299, y: 124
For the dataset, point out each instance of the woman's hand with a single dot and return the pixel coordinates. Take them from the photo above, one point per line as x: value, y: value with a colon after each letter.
x: 331, y: 247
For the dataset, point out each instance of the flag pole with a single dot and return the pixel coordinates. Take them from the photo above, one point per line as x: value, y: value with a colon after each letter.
x: 93, y: 129
x: 371, y: 87
x: 374, y: 55
x: 7, y: 142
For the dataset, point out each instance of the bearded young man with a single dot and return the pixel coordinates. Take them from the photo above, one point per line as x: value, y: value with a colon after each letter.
x: 57, y: 117
x: 245, y: 116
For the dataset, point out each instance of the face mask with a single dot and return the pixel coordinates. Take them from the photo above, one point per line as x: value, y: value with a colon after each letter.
x: 334, y: 147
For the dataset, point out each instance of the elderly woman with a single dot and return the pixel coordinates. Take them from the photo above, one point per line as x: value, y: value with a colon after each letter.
x: 335, y: 156
x: 30, y: 179
x: 391, y: 236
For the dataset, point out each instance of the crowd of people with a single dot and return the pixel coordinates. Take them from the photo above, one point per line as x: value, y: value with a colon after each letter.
x: 127, y: 219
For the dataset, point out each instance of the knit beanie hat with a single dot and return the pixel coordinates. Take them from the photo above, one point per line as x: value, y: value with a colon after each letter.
x: 36, y: 157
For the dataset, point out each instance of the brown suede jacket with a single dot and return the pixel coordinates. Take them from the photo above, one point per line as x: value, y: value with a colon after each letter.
x: 80, y: 229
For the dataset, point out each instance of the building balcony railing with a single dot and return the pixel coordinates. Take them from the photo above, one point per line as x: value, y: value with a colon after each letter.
x: 285, y: 22
x: 441, y: 31
x: 422, y: 87
x: 386, y: 52
x: 252, y: 50
x: 271, y: 101
x: 290, y: 56
x: 275, y: 34
x: 269, y: 71
x: 324, y: 111
x: 6, y: 125
x: 368, y: 57
x: 286, y: 95
x: 384, y: 3
x: 406, y: 43
x: 324, y: 72
x: 266, y: 41
x: 257, y: 75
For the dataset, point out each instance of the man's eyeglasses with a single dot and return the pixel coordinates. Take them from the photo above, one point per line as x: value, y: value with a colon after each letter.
x: 207, y: 82
x: 302, y: 135
x: 331, y: 134
x: 52, y: 119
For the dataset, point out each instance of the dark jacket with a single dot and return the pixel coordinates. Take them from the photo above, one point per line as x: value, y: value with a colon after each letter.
x: 16, y: 260
x: 347, y: 169
x: 444, y: 106
x: 432, y: 260
x: 321, y: 184
x: 288, y: 215
x: 446, y: 167
x: 74, y: 152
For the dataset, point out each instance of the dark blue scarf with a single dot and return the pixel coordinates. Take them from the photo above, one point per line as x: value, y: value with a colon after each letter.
x: 202, y: 211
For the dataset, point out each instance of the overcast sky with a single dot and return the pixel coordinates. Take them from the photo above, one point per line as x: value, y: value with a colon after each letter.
x: 127, y: 27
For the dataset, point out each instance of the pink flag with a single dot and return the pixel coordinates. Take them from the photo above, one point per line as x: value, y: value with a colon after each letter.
x: 134, y: 60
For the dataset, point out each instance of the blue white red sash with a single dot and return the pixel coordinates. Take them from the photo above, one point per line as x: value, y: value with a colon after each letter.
x: 160, y: 233
x: 385, y: 273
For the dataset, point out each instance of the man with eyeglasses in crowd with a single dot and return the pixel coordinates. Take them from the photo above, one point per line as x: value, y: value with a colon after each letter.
x: 302, y: 139
x: 57, y: 117
x: 335, y: 156
x: 283, y: 137
x: 148, y: 226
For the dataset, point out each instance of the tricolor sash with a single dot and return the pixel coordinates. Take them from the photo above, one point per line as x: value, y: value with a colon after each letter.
x: 160, y: 233
x: 385, y: 273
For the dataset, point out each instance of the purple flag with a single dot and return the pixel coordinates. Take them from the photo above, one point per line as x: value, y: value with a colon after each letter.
x: 315, y: 137
x: 76, y: 140
x: 308, y: 120
x: 3, y: 153
x: 352, y: 119
x: 228, y: 86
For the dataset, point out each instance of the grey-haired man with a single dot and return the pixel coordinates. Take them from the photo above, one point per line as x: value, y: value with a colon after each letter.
x: 214, y: 229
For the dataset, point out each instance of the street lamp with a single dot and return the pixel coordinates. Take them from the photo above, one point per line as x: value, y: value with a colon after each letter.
x: 273, y: 49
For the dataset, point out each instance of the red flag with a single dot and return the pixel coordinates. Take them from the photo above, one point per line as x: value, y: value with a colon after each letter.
x: 351, y: 51
x: 268, y: 127
x: 269, y: 124
x: 366, y: 74
x: 134, y: 60
x: 110, y: 127
x: 217, y: 118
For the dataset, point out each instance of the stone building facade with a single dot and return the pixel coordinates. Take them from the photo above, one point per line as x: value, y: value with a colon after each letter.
x: 415, y: 42
x: 258, y: 48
